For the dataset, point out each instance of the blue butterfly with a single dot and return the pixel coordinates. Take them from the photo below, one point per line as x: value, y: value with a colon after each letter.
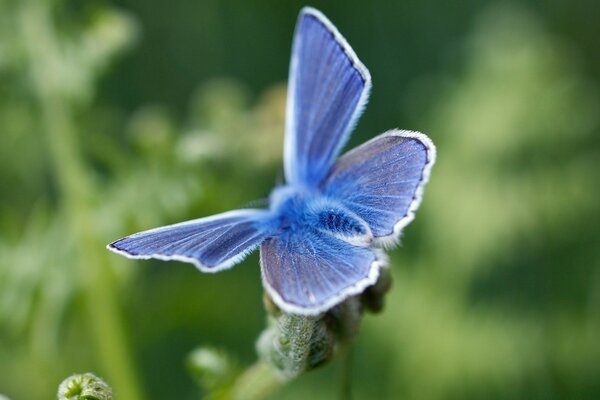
x: 320, y: 240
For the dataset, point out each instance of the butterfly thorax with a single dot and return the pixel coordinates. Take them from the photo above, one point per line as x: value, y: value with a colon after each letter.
x: 298, y: 209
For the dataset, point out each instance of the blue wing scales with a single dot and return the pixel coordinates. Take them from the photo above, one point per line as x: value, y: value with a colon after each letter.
x: 212, y: 244
x: 382, y: 181
x: 308, y: 272
x: 328, y: 88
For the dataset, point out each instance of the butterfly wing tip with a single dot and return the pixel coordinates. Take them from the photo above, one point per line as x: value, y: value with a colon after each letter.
x: 121, y: 251
x: 115, y: 248
x: 419, y: 136
x: 311, y: 11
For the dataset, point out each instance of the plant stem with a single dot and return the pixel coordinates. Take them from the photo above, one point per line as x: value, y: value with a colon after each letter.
x: 350, y: 315
x: 346, y: 371
x: 257, y: 382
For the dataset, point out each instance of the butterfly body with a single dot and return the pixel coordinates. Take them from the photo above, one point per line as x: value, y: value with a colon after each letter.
x: 320, y: 238
x: 300, y: 209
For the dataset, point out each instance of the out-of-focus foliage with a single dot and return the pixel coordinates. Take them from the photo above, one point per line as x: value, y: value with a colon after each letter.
x: 496, y: 287
x: 503, y: 300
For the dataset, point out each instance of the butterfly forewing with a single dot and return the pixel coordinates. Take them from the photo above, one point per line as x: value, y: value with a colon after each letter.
x: 212, y: 243
x: 382, y: 180
x: 328, y: 87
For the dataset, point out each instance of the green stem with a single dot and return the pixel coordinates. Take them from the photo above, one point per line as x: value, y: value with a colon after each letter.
x: 350, y: 315
x: 257, y: 382
x: 346, y: 371
x: 77, y: 192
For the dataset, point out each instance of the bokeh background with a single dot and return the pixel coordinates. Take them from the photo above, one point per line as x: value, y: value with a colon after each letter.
x: 118, y: 116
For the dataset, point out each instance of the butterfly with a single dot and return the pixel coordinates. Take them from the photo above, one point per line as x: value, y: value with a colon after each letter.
x: 322, y: 235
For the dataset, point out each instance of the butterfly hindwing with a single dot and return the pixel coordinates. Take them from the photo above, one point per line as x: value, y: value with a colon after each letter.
x: 382, y: 181
x: 212, y: 244
x: 328, y: 88
x: 307, y: 272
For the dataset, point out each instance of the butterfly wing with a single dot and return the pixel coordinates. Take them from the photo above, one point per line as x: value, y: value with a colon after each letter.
x: 212, y: 244
x: 309, y: 272
x: 328, y: 88
x: 382, y: 181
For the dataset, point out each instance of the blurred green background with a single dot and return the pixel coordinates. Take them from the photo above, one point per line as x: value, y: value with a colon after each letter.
x: 121, y: 116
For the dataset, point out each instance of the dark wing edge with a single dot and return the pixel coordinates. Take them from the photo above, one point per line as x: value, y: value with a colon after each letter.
x: 290, y: 104
x: 245, y: 215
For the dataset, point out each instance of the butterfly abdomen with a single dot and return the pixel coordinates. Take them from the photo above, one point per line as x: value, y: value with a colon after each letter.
x: 338, y: 221
x: 332, y: 218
